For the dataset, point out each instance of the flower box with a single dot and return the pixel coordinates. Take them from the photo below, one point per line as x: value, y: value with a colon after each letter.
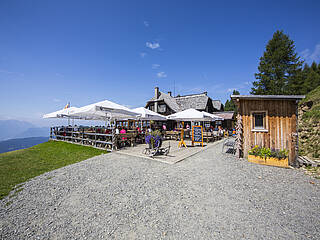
x: 270, y: 161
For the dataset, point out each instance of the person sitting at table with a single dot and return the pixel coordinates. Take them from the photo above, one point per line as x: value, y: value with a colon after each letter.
x: 164, y: 127
x: 107, y: 131
x: 123, y: 131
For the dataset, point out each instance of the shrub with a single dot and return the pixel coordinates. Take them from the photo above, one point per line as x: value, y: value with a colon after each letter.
x: 267, y: 152
x: 153, y: 138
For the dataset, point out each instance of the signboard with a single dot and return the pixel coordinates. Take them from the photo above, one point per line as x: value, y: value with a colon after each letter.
x: 197, y: 135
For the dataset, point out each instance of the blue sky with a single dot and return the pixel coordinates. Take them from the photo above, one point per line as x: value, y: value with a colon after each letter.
x: 53, y: 52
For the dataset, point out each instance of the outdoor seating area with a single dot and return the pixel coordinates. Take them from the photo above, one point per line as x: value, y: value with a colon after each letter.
x: 126, y: 127
x: 107, y: 138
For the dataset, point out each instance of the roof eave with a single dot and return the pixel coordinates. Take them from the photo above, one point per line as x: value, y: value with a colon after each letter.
x: 268, y: 97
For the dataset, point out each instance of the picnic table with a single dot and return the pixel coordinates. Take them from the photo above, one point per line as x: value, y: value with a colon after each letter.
x: 172, y: 135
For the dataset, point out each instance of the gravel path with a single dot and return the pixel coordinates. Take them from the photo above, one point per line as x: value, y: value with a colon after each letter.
x: 207, y: 196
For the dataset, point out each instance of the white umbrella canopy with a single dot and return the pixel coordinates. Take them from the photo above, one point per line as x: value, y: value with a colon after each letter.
x: 61, y: 113
x: 190, y: 115
x: 147, y: 114
x: 213, y: 116
x: 103, y: 110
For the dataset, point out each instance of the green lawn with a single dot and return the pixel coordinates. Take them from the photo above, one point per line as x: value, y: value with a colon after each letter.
x: 19, y: 166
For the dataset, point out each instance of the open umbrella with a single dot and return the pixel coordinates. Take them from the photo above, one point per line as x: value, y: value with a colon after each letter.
x: 63, y: 113
x: 147, y: 114
x: 103, y: 110
x: 190, y: 115
x: 213, y: 116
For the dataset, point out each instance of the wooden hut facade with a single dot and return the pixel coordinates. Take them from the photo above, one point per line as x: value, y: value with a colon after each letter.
x: 268, y: 121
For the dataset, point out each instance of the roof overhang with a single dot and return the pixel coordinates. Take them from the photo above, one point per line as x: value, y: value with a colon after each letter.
x: 267, y: 97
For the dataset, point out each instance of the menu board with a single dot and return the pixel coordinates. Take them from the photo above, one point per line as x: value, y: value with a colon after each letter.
x: 197, y: 135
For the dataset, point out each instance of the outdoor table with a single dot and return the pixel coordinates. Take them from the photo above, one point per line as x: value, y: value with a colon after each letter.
x: 208, y: 136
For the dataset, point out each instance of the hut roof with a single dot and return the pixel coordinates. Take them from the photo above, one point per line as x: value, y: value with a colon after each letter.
x: 180, y: 103
x: 170, y: 101
x: 268, y: 97
x: 195, y: 101
x: 217, y: 104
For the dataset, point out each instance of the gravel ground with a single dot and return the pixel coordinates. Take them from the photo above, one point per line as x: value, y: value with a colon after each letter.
x: 207, y: 196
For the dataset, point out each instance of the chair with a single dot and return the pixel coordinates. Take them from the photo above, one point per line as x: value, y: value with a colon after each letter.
x: 157, y: 150
x: 230, y: 143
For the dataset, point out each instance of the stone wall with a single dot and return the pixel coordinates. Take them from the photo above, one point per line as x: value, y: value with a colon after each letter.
x: 309, y: 129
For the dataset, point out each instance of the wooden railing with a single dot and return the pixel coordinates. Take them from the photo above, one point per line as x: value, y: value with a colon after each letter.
x: 94, y: 136
x: 99, y: 137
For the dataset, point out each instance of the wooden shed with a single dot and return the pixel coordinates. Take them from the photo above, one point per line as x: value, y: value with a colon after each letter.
x: 267, y: 121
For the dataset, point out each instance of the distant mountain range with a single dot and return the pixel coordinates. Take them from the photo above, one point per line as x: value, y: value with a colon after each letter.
x: 10, y: 129
x: 20, y: 143
x: 15, y: 134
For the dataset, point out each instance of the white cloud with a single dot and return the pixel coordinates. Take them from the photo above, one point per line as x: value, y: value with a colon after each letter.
x: 155, y: 66
x: 143, y: 54
x: 311, y: 56
x: 161, y: 75
x: 305, y: 53
x: 230, y: 89
x: 152, y: 45
x: 56, y: 100
x: 146, y: 23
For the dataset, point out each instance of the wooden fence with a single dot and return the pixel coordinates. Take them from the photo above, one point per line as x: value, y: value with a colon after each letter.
x: 98, y: 137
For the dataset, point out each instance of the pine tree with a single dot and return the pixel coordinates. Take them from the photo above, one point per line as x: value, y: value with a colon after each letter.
x: 312, y: 80
x: 278, y: 66
x: 230, y: 106
x: 227, y: 105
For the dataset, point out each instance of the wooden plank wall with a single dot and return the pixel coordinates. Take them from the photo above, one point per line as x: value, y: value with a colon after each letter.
x: 282, y: 123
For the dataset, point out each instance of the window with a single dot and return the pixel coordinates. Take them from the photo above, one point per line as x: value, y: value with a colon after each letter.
x: 259, y: 121
x: 151, y: 107
x: 162, y: 108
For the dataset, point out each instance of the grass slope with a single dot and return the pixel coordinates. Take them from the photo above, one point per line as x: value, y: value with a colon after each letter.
x: 314, y: 112
x: 21, y: 165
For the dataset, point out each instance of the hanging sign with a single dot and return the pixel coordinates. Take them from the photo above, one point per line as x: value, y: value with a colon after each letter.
x: 197, y: 135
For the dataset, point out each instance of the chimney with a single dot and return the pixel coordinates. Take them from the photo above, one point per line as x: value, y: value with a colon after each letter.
x: 156, y: 96
x: 170, y: 93
x: 156, y: 92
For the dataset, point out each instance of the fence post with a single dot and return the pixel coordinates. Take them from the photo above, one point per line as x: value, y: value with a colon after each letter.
x: 113, y: 138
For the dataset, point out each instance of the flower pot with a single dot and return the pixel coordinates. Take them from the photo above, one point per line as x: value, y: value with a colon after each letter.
x: 269, y: 161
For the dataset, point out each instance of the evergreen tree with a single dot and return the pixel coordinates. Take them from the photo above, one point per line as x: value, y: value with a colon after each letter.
x: 227, y: 105
x: 278, y: 66
x: 297, y: 86
x: 230, y: 106
x: 312, y: 80
x: 306, y: 80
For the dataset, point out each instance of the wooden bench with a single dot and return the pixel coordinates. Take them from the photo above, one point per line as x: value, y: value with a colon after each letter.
x: 172, y: 135
x: 208, y: 137
x: 125, y: 138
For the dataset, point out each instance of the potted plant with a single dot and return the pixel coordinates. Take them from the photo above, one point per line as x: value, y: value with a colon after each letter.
x: 267, y: 156
x: 153, y: 139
